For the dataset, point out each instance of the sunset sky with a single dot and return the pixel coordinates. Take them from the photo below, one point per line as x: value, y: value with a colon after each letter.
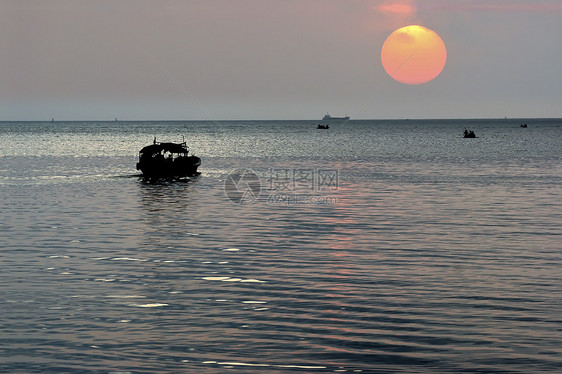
x: 272, y: 59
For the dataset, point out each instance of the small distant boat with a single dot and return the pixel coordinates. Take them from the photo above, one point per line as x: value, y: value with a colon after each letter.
x: 167, y: 160
x: 323, y: 127
x: 328, y: 117
x: 469, y: 134
x: 523, y: 125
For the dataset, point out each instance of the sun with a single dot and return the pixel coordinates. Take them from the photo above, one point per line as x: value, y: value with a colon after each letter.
x: 413, y: 55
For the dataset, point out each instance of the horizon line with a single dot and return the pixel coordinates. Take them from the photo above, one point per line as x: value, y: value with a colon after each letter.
x: 282, y: 120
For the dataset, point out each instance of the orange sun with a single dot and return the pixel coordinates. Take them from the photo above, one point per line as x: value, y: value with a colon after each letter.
x: 413, y: 55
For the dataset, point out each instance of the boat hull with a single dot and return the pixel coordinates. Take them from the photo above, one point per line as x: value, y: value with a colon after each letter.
x: 177, y: 168
x: 337, y: 119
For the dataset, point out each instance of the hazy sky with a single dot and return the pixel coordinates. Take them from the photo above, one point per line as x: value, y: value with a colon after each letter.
x: 272, y: 59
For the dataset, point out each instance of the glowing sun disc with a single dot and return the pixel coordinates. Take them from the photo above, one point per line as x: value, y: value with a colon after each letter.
x: 413, y: 55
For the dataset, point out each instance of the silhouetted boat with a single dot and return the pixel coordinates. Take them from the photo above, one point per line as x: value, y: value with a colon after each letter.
x: 323, y: 127
x: 523, y: 125
x: 167, y: 160
x: 328, y: 117
x: 469, y: 134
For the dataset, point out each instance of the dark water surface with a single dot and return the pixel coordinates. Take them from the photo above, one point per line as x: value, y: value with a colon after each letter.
x: 373, y: 247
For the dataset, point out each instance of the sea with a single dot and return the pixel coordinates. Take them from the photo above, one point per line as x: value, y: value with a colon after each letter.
x: 375, y: 246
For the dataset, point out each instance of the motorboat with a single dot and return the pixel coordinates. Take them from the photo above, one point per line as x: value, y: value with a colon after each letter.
x: 167, y: 160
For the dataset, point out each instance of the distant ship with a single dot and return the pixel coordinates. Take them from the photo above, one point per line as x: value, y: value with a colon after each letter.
x: 328, y: 117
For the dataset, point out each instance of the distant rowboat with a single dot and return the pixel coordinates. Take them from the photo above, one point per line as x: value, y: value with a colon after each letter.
x: 469, y: 134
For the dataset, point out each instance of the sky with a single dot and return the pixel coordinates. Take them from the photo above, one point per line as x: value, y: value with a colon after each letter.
x: 272, y: 59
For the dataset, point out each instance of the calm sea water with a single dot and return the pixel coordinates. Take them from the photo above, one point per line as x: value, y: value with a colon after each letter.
x: 373, y: 247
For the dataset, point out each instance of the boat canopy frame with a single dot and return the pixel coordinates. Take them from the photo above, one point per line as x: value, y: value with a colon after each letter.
x: 159, y: 148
